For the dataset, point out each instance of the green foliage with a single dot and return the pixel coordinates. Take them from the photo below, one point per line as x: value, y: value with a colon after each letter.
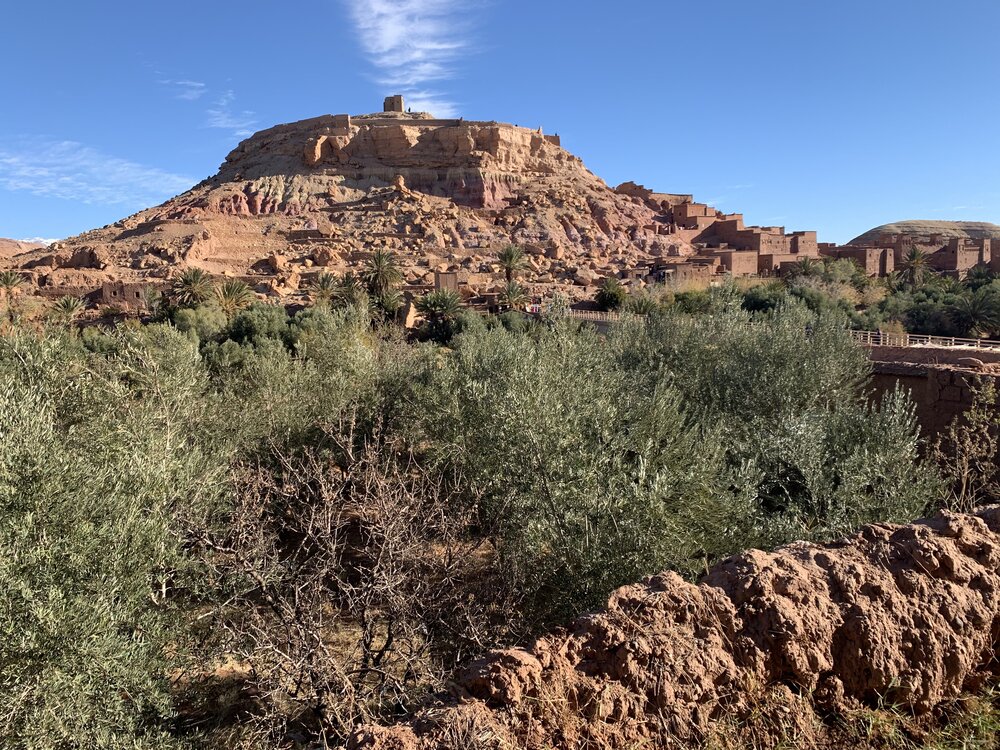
x: 694, y: 301
x: 233, y: 295
x: 351, y: 292
x: 786, y: 393
x: 765, y: 298
x: 915, y: 268
x: 514, y: 295
x: 258, y: 322
x: 642, y: 303
x: 561, y: 463
x: 66, y: 309
x: 440, y: 308
x: 10, y: 282
x: 977, y: 313
x: 324, y: 287
x: 585, y: 477
x: 512, y: 260
x: 611, y: 295
x: 382, y: 277
x: 193, y: 287
x: 93, y: 456
x: 969, y: 452
x: 203, y: 323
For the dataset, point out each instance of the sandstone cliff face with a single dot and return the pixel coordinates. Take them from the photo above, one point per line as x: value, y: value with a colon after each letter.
x: 908, y: 614
x: 441, y: 194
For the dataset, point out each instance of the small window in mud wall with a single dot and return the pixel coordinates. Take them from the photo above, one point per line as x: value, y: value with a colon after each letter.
x: 138, y: 295
x: 114, y: 294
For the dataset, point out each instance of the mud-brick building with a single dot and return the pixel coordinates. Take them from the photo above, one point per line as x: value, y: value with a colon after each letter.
x: 876, y: 261
x: 128, y: 297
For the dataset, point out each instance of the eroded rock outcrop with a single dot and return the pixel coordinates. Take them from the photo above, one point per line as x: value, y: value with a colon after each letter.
x: 908, y: 614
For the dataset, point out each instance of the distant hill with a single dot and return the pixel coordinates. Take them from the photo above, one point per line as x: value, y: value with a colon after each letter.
x: 10, y: 248
x: 917, y: 229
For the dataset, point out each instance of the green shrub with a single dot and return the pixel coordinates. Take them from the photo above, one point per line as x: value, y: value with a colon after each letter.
x: 611, y: 295
x: 204, y: 322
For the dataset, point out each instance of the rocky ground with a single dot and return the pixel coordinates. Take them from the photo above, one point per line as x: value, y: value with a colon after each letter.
x: 907, y: 616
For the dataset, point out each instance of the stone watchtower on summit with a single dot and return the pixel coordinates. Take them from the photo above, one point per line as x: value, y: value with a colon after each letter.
x: 393, y: 104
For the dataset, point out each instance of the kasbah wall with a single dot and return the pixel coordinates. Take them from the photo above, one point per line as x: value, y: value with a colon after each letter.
x: 940, y: 381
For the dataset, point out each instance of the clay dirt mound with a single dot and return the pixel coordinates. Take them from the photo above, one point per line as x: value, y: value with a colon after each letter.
x: 923, y: 230
x: 904, y: 614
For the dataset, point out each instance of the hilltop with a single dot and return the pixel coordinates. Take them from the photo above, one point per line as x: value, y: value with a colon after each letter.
x: 923, y: 230
x: 443, y: 195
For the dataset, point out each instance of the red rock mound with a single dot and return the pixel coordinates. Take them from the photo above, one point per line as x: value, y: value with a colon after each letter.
x: 909, y: 614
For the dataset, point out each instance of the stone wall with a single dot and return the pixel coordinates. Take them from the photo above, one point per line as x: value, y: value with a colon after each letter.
x: 940, y: 393
x: 934, y: 355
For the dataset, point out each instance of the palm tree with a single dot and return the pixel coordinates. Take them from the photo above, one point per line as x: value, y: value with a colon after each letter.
x: 192, y: 287
x: 513, y: 295
x: 916, y: 266
x: 152, y: 299
x: 350, y: 291
x: 949, y: 285
x: 233, y: 295
x: 440, y: 308
x: 10, y: 282
x: 641, y: 304
x: 511, y: 260
x: 611, y: 295
x: 893, y: 281
x: 979, y: 276
x: 381, y: 274
x: 809, y: 267
x: 325, y: 288
x: 66, y: 309
x: 978, y: 312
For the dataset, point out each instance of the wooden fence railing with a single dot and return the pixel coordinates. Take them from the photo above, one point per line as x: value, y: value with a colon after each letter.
x: 882, y: 338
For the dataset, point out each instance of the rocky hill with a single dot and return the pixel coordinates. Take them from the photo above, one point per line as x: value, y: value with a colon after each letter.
x: 445, y: 195
x: 904, y: 615
x: 924, y: 230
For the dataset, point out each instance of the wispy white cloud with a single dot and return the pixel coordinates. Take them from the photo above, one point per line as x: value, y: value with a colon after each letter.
x: 414, y: 43
x: 186, y: 90
x: 40, y: 240
x: 222, y: 115
x: 428, y: 101
x: 73, y: 171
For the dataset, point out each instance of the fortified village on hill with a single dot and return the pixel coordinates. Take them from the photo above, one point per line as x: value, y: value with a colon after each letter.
x: 445, y: 196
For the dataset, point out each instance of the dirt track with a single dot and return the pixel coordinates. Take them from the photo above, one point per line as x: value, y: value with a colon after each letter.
x: 907, y: 614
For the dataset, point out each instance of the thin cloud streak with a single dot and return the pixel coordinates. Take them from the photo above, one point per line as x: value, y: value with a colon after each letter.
x: 187, y: 90
x: 73, y: 171
x: 221, y: 115
x: 413, y: 43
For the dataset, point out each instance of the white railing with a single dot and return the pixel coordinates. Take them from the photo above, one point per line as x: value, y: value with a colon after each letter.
x: 867, y: 338
x: 882, y: 338
x: 599, y: 316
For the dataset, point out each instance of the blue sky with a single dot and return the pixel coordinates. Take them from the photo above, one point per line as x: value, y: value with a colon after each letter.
x: 835, y: 116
